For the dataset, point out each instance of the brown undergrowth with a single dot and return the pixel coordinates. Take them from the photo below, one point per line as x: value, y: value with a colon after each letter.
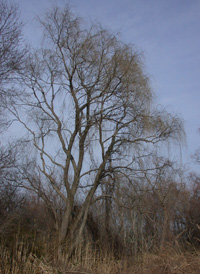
x: 22, y: 257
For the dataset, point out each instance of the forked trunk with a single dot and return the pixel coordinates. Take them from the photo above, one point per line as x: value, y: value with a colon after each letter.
x: 72, y: 230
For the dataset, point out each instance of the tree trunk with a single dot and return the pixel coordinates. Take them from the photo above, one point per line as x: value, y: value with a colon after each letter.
x: 166, y: 228
x: 72, y: 228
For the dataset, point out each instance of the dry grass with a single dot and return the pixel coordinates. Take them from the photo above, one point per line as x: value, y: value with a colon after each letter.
x: 168, y: 261
x: 20, y: 259
x: 21, y: 263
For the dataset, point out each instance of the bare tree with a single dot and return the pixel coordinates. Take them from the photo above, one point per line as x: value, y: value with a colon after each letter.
x: 148, y: 205
x: 12, y: 52
x: 10, y: 198
x: 88, y: 104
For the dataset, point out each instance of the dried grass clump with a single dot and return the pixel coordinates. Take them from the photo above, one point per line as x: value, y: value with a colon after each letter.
x: 88, y: 259
x: 169, y: 261
x: 19, y: 259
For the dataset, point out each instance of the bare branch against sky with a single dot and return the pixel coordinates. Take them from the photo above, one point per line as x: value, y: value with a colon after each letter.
x: 168, y: 34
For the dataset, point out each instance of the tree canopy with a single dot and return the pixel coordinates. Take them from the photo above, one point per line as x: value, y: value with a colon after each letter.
x: 87, y: 107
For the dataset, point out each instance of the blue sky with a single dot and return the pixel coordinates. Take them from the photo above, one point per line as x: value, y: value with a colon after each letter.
x: 168, y: 33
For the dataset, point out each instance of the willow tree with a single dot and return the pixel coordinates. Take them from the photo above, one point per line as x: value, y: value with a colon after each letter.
x: 87, y: 107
